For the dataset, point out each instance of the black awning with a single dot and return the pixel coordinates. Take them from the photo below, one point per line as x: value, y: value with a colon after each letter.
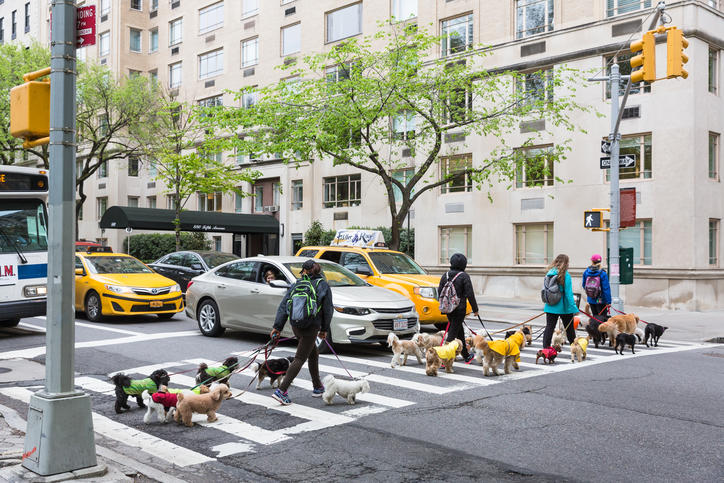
x: 121, y: 217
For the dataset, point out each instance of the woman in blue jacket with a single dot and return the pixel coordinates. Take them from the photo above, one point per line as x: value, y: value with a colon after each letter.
x: 598, y: 303
x: 566, y: 307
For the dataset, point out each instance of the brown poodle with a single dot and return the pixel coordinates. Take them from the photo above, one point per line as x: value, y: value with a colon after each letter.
x: 201, y: 403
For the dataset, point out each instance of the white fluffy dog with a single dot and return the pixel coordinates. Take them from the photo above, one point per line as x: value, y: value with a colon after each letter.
x: 402, y: 349
x: 163, y: 415
x: 346, y: 389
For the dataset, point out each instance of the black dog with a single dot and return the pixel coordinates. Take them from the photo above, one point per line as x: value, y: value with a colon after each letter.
x: 623, y: 339
x: 125, y: 387
x: 274, y: 369
x: 207, y: 375
x: 655, y: 331
x: 596, y: 336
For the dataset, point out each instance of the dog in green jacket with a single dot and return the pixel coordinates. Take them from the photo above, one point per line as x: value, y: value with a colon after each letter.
x: 221, y: 374
x: 125, y: 387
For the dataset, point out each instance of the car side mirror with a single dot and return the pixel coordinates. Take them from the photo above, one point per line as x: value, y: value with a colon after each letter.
x: 279, y: 284
x: 196, y: 266
x: 362, y: 270
x: 79, y: 271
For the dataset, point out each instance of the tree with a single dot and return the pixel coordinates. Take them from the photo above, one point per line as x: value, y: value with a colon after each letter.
x: 386, y: 100
x: 171, y: 137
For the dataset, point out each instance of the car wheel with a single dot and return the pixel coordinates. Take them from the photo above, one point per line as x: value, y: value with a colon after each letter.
x: 165, y: 316
x: 209, y: 319
x: 322, y: 347
x: 9, y: 322
x: 93, y: 310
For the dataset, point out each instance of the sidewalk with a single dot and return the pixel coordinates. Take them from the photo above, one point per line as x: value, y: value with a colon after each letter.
x: 682, y: 325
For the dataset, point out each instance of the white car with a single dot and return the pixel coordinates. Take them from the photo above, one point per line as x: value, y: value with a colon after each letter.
x: 235, y: 295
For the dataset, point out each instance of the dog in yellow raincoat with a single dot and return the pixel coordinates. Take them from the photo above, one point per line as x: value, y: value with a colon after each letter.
x: 578, y: 348
x: 492, y: 353
x: 444, y: 354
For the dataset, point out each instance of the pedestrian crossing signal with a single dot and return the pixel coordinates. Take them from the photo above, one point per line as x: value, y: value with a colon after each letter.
x: 592, y: 219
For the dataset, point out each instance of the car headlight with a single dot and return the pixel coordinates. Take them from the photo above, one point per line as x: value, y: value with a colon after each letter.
x: 426, y: 292
x: 175, y: 288
x: 351, y: 310
x: 119, y: 289
x: 35, y: 290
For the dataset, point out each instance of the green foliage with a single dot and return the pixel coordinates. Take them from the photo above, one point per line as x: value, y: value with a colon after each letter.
x: 316, y: 235
x: 149, y: 247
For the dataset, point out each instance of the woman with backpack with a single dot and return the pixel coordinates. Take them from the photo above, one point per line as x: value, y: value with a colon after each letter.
x: 558, y: 285
x: 597, y: 287
x: 464, y: 292
x: 307, y: 328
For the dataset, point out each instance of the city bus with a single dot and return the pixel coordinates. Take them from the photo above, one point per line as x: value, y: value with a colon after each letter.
x: 23, y: 243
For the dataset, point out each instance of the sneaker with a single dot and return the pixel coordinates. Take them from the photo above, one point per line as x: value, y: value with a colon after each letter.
x: 318, y: 392
x: 469, y: 358
x: 282, y: 397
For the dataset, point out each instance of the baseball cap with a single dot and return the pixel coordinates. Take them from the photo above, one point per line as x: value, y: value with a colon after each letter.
x: 596, y: 258
x: 308, y: 265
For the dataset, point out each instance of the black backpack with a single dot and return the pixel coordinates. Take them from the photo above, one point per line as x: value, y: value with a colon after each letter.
x: 551, y: 293
x: 303, y: 306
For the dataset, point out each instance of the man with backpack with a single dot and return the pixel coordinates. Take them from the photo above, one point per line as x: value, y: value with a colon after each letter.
x: 454, y: 293
x: 308, y: 306
x: 597, y: 287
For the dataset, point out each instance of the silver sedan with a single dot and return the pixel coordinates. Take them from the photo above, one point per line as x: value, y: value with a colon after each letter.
x: 245, y: 294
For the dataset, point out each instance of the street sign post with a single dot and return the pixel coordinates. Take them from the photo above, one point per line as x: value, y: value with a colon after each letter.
x: 86, y: 26
x: 605, y: 147
x: 626, y: 161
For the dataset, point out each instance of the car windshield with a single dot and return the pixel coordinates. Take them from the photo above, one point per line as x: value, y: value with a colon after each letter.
x: 102, y: 265
x: 391, y: 262
x: 216, y: 259
x: 336, y: 275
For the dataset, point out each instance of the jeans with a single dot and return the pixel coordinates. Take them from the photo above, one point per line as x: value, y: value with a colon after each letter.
x: 456, y: 330
x: 551, y: 320
x: 306, y: 352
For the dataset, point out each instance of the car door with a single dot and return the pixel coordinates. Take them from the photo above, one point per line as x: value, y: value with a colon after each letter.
x: 262, y: 307
x: 81, y: 284
x: 233, y: 285
x: 188, y: 267
x: 168, y: 266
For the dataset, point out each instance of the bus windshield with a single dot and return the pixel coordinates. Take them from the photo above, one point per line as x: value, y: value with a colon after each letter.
x: 23, y: 226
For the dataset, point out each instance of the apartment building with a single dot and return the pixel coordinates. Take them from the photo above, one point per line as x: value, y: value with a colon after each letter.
x: 23, y: 21
x: 200, y: 49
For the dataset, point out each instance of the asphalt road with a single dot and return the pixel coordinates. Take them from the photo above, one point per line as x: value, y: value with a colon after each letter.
x: 655, y: 416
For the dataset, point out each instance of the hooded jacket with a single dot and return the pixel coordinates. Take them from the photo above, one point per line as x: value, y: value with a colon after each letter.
x: 567, y: 304
x: 447, y: 351
x: 463, y: 285
x: 605, y: 297
x: 324, y: 301
x: 509, y: 346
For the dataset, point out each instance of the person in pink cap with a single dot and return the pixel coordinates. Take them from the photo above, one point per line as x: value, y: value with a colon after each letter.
x: 597, y: 288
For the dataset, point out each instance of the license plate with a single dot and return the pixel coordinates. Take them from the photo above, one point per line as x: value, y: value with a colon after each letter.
x: 399, y: 324
x: 156, y: 304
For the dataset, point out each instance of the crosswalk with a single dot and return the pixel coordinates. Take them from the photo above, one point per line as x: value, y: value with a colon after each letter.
x: 252, y: 419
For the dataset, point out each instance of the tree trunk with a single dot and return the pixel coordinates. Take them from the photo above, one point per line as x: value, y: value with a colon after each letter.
x: 177, y: 227
x: 395, y: 229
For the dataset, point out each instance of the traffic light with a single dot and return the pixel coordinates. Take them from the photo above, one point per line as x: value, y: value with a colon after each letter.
x: 30, y: 109
x: 675, y: 56
x: 646, y: 59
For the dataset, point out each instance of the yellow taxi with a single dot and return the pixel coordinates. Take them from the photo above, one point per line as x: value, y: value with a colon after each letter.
x: 384, y: 268
x: 118, y: 284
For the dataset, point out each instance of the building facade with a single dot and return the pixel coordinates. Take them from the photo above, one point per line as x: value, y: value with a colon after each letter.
x: 200, y: 49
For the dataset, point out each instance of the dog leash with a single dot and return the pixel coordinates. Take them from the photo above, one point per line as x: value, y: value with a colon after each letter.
x: 338, y: 359
x: 486, y: 330
x: 517, y: 325
x: 624, y: 313
x: 444, y: 336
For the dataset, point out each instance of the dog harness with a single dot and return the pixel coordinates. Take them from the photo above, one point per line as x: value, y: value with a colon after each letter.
x: 139, y: 385
x: 549, y: 352
x: 168, y: 399
x: 583, y: 342
x: 447, y: 351
x: 509, y: 346
x: 218, y: 372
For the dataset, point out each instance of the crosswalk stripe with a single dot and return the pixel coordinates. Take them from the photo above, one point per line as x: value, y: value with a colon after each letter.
x: 367, y: 397
x: 156, y: 447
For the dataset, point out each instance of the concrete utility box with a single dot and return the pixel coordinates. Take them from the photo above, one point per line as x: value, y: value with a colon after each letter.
x: 30, y: 110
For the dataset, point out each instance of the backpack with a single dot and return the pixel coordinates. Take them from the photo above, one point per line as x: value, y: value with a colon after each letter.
x: 593, y: 286
x: 302, y: 306
x: 449, y: 299
x: 551, y: 293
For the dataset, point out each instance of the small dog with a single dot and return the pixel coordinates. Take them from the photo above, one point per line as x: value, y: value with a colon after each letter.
x: 346, y: 389
x: 528, y: 332
x: 492, y: 353
x: 425, y: 340
x: 220, y: 374
x: 402, y: 348
x: 274, y: 369
x: 578, y: 348
x: 558, y: 338
x: 594, y: 333
x: 163, y: 402
x: 125, y: 387
x: 207, y: 404
x: 548, y: 354
x: 625, y: 323
x: 609, y: 328
x: 509, y: 333
x: 654, y: 331
x: 438, y: 355
x: 622, y: 340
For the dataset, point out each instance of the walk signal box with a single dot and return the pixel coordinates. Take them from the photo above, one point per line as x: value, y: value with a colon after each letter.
x: 592, y: 219
x: 625, y: 264
x: 30, y: 110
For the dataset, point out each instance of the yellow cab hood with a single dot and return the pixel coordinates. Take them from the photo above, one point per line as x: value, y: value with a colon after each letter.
x: 149, y: 280
x: 413, y: 279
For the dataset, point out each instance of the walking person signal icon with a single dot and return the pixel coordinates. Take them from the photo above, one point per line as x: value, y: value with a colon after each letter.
x: 592, y: 219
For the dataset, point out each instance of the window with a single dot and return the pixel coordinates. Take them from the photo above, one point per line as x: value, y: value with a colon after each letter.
x: 297, y: 194
x: 237, y: 202
x: 457, y: 34
x: 617, y: 7
x: 714, y: 156
x: 135, y: 44
x: 713, y: 70
x: 211, y: 17
x: 175, y: 31
x: 403, y: 126
x: 210, y: 201
x: 249, y: 8
x: 2, y: 30
x: 455, y: 239
x: 637, y: 237
x: 151, y: 201
x: 533, y: 243
x: 639, y: 147
x: 248, y: 99
x: 14, y: 25
x: 132, y: 74
x: 533, y: 17
x: 291, y: 39
x: 536, y: 86
x: 403, y: 176
x: 105, y: 7
x: 212, y: 101
x: 133, y: 166
x: 103, y: 124
x: 341, y: 191
x: 238, y: 270
x: 344, y: 22
x: 250, y: 52
x: 136, y: 5
x: 454, y: 168
x: 102, y: 206
x: 174, y: 75
x: 170, y: 202
x: 154, y: 5
x: 536, y: 169
x: 153, y: 40
x: 276, y: 193
x: 714, y: 242
x: 217, y: 243
x: 104, y: 44
x: 338, y: 73
x: 624, y: 67
x: 103, y: 170
x: 258, y: 199
x: 133, y: 202
x: 211, y: 64
x: 153, y: 75
x: 152, y: 169
x: 27, y: 18
x: 404, y: 9
x: 460, y: 104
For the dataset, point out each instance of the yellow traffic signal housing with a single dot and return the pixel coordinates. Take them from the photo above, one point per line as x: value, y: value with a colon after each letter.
x: 675, y: 56
x: 646, y: 59
x: 30, y: 110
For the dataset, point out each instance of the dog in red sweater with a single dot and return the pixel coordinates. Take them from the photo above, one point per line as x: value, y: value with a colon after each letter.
x: 163, y: 402
x: 548, y: 354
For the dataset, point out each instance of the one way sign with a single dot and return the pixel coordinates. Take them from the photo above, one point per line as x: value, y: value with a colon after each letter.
x: 626, y: 161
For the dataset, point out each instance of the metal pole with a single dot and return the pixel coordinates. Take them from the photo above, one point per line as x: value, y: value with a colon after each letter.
x: 59, y: 436
x: 613, y: 248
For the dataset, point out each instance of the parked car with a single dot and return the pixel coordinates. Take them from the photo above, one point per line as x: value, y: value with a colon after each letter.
x: 185, y: 265
x: 235, y: 295
x: 119, y: 284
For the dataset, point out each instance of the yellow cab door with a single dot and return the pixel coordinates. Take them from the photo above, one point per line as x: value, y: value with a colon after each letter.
x: 81, y: 283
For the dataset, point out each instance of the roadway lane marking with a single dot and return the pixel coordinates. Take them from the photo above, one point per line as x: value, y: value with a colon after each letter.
x: 39, y: 328
x: 91, y: 326
x: 156, y: 447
